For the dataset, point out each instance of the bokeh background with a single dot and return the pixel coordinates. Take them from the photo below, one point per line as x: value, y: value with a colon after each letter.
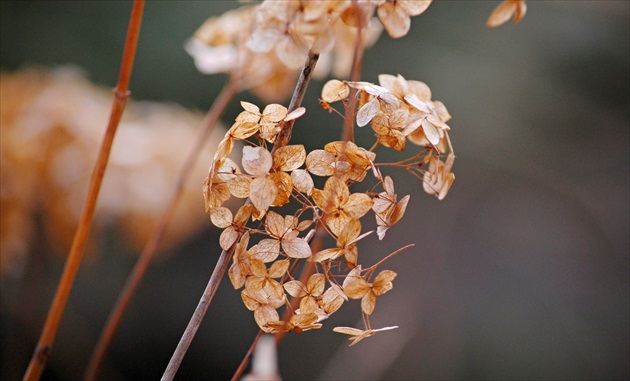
x: 522, y: 272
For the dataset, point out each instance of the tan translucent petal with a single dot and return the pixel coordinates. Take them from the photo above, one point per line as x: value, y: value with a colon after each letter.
x: 257, y: 161
x: 316, y: 284
x: 257, y: 268
x: 308, y: 305
x: 303, y: 225
x: 399, y: 210
x: 227, y: 238
x: 368, y: 302
x: 239, y: 186
x: 263, y: 192
x: 250, y: 302
x: 394, y: 18
x: 243, y: 130
x: 414, y: 7
x: 268, y: 250
x: 502, y: 13
x: 335, y: 90
x: 383, y: 282
x: 265, y: 314
x: 430, y: 131
x: 318, y: 162
x: 215, y: 195
x: 302, y: 181
x: 296, y: 248
x: 328, y: 254
x: 236, y: 277
x: 298, y: 112
x: 243, y: 214
x: 274, y: 224
x: 250, y: 107
x: 352, y: 254
x: 289, y: 157
x: 348, y: 330
x: 274, y: 113
x: 284, y: 187
x: 349, y: 233
x: 358, y: 204
x: 295, y: 288
x: 332, y: 301
x: 221, y: 217
x: 224, y: 148
x: 367, y: 112
x: 356, y: 288
x: 279, y: 268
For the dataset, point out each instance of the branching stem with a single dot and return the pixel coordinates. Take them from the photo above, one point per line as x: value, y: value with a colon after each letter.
x: 121, y: 93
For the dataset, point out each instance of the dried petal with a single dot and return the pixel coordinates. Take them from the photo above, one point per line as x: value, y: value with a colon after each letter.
x: 335, y: 90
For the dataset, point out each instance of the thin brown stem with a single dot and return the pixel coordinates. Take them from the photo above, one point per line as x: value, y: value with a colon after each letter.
x: 355, y: 75
x: 150, y: 248
x: 217, y: 275
x: 248, y: 355
x: 198, y: 315
x: 121, y: 93
x: 284, y: 136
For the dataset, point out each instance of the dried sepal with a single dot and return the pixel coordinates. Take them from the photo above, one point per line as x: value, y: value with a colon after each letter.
x: 360, y: 334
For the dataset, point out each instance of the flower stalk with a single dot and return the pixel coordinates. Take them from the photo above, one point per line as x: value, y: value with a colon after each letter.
x: 121, y: 93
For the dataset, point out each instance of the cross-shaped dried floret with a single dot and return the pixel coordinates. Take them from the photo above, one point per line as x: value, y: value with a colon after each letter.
x: 356, y: 287
x: 346, y: 245
x: 284, y: 234
x: 344, y: 160
x: 386, y: 208
x: 264, y: 306
x: 233, y: 226
x: 309, y: 292
x: 339, y: 206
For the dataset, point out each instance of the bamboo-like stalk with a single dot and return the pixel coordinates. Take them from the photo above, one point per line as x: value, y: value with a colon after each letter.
x: 217, y: 275
x: 121, y: 93
x: 150, y: 248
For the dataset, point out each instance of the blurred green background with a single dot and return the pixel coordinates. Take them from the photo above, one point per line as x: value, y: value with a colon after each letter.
x: 522, y: 272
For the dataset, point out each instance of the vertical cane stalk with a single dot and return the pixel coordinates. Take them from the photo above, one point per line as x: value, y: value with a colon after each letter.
x: 121, y: 93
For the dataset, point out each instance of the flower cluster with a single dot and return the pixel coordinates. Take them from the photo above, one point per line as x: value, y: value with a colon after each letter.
x: 265, y: 45
x: 269, y: 244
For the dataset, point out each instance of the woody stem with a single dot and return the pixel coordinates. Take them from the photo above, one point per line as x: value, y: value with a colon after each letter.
x: 121, y: 93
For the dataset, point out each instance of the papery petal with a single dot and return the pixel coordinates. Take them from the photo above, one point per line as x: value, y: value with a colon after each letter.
x: 257, y: 161
x: 263, y: 192
x: 289, y: 157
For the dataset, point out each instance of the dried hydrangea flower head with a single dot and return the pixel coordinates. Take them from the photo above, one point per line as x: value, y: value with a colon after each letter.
x: 283, y: 177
